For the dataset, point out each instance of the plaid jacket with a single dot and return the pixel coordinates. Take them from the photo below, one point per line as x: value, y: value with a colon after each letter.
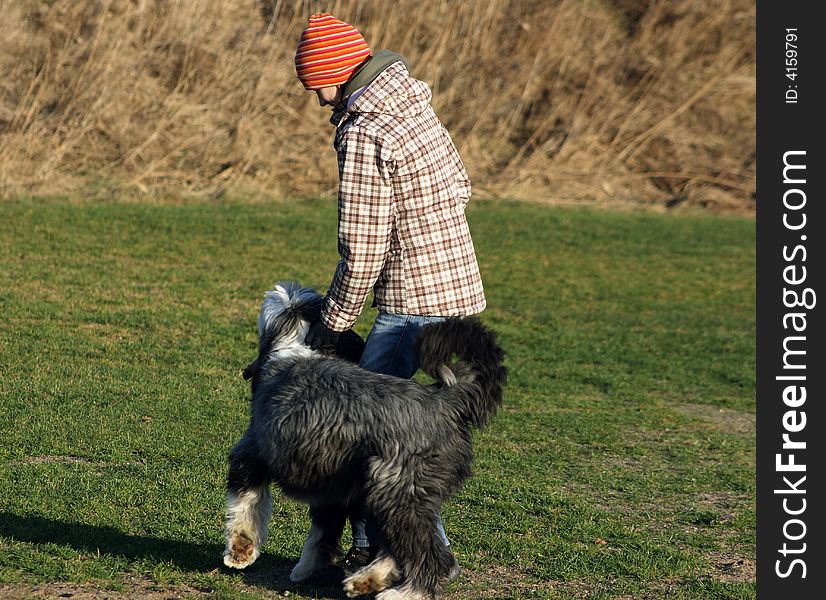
x: 401, y: 202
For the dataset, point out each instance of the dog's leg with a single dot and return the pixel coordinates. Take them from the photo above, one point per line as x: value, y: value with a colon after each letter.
x: 322, y: 546
x: 375, y: 577
x: 248, y: 513
x: 405, y: 502
x: 249, y: 505
x: 424, y: 560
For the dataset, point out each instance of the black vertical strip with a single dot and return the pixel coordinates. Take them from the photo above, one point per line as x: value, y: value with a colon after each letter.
x: 791, y: 225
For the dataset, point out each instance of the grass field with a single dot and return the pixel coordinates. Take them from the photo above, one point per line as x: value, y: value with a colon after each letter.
x: 621, y: 465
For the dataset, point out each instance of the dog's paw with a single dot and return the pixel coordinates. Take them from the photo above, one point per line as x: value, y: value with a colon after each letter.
x: 241, y: 551
x: 314, y: 557
x: 404, y: 592
x: 373, y: 578
x: 303, y: 569
x: 300, y: 573
x: 361, y: 583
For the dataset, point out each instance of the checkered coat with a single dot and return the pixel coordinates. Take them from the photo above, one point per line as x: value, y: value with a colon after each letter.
x: 401, y: 208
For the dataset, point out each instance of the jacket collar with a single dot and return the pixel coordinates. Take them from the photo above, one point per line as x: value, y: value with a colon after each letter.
x: 363, y: 77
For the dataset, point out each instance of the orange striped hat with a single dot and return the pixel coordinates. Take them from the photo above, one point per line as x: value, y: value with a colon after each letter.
x: 328, y: 52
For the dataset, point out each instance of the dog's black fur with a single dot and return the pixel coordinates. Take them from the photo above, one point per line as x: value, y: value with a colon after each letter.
x: 333, y: 435
x: 349, y: 346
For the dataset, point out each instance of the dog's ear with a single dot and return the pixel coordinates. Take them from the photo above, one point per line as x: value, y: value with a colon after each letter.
x: 350, y: 346
x: 250, y: 369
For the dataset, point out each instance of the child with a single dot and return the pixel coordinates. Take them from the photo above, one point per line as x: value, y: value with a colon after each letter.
x: 401, y: 222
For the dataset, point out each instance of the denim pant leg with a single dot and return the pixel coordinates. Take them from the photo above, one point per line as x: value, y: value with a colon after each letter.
x: 391, y: 350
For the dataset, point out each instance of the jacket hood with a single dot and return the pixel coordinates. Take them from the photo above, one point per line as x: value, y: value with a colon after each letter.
x: 391, y: 91
x: 371, y: 68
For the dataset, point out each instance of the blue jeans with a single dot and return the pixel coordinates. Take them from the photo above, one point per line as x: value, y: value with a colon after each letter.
x: 391, y: 350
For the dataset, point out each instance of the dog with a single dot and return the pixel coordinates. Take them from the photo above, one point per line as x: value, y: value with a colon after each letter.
x: 335, y: 436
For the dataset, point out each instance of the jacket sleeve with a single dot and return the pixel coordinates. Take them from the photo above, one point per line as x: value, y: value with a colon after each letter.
x: 365, y: 223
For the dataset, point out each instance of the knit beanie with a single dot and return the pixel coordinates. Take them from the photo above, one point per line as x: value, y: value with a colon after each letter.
x: 328, y: 52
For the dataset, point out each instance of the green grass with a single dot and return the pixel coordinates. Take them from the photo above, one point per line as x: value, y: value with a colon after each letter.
x: 622, y: 464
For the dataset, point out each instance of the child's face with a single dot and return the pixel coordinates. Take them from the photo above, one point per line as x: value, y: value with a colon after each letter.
x: 329, y: 95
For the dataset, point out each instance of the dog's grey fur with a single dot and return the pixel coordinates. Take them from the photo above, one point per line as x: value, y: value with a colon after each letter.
x: 333, y: 435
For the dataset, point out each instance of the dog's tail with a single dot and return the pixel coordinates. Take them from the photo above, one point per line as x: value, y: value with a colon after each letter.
x: 477, y: 378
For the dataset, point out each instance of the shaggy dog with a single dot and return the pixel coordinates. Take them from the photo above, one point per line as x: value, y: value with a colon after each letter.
x: 333, y: 435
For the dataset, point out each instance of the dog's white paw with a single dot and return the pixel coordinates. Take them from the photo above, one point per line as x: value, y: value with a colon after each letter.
x: 241, y: 551
x: 404, y: 592
x: 373, y: 578
x: 302, y: 570
x: 235, y: 563
x: 314, y: 556
x: 361, y: 583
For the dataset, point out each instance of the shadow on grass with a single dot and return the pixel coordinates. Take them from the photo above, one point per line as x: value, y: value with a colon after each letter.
x: 271, y: 572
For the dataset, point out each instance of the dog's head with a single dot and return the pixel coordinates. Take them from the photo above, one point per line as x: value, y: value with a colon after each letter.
x: 286, y: 313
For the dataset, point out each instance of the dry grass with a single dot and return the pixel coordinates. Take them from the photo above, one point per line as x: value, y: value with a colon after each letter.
x: 603, y: 101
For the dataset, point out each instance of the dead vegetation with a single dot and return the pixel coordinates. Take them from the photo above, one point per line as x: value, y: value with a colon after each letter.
x: 605, y: 102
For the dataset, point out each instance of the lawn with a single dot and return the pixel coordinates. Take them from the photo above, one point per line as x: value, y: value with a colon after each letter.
x: 621, y: 465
